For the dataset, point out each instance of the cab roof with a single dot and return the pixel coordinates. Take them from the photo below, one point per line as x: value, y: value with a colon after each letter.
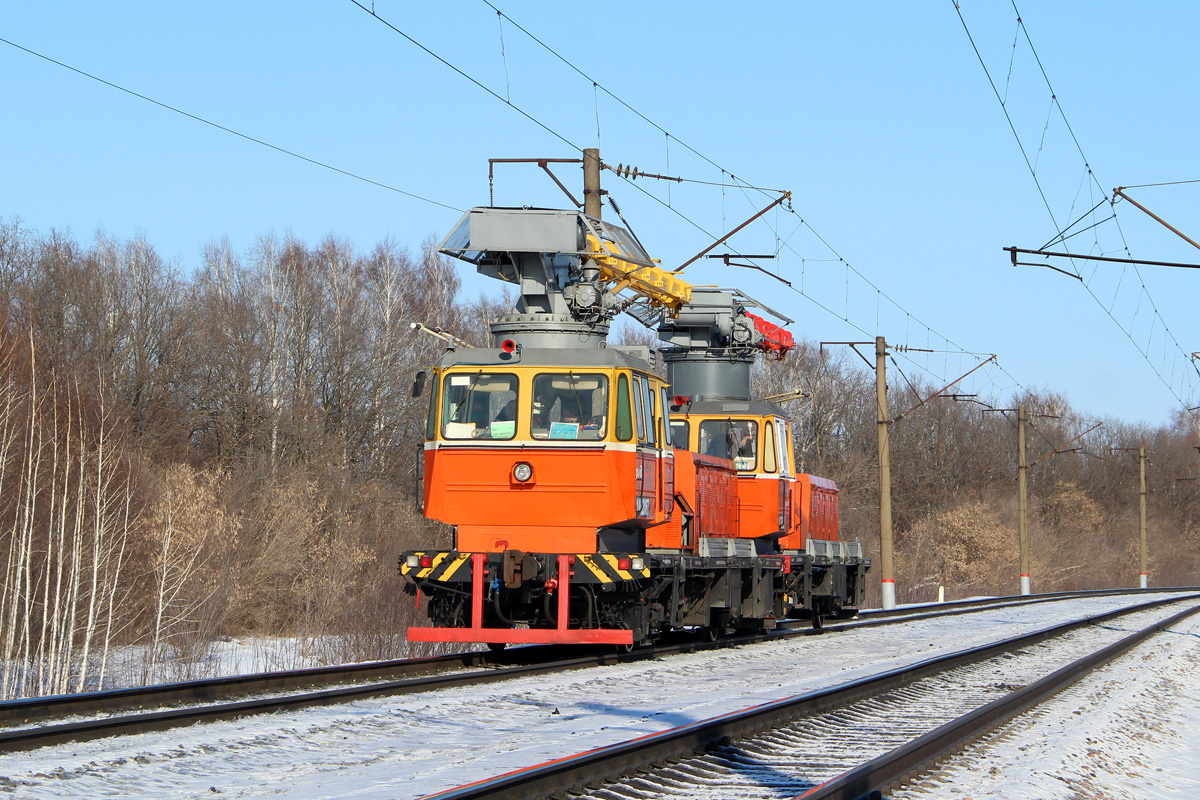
x: 724, y: 408
x: 588, y: 358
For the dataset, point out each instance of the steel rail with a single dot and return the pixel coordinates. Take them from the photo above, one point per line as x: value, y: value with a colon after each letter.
x: 28, y: 738
x: 921, y: 754
x: 610, y: 763
x: 1042, y: 597
x: 39, y: 709
x: 875, y: 617
x: 44, y: 711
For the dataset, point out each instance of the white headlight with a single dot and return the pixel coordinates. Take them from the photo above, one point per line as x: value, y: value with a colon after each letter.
x: 414, y: 561
x: 637, y: 564
x: 522, y: 471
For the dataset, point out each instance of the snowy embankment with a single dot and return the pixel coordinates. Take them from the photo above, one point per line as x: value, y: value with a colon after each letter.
x: 408, y: 746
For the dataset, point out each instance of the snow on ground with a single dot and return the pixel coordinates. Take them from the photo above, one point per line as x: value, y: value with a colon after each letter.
x: 132, y: 666
x: 409, y: 746
x: 1129, y: 730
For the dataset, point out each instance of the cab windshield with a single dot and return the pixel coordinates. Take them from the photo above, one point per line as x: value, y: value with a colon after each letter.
x: 569, y: 405
x: 479, y: 405
x: 735, y: 439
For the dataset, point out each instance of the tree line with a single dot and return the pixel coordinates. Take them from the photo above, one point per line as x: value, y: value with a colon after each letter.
x: 232, y: 449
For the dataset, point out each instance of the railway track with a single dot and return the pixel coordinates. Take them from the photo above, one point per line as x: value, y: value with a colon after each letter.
x: 849, y: 741
x: 43, y: 721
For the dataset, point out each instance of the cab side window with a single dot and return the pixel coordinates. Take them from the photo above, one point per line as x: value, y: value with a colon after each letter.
x: 624, y: 422
x: 769, y: 452
x: 639, y: 410
x: 679, y: 433
x: 664, y: 427
x: 647, y: 432
x: 431, y: 424
x: 648, y: 409
x: 745, y: 444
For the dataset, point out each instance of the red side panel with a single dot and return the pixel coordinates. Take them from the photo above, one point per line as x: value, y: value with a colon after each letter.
x: 785, y: 505
x: 716, y: 496
x: 824, y: 509
x: 816, y: 506
x: 667, y: 494
x: 647, y: 478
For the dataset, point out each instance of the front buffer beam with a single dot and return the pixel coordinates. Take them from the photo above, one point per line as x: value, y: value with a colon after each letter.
x: 560, y: 634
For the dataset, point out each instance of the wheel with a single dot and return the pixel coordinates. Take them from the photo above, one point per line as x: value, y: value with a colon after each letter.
x: 818, y: 621
x: 496, y: 647
x: 625, y: 649
x: 710, y: 633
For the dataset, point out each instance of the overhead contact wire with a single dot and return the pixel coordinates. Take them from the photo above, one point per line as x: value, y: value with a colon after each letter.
x: 239, y: 134
x: 371, y: 12
x: 742, y: 184
x: 1087, y: 165
x: 1012, y: 126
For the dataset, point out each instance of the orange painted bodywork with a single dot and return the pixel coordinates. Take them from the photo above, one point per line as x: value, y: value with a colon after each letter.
x: 758, y: 501
x: 574, y: 491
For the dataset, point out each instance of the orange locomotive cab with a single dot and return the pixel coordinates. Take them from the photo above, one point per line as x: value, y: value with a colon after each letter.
x: 538, y: 459
x: 539, y: 455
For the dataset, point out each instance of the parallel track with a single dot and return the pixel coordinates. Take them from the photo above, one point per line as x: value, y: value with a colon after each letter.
x: 917, y: 714
x: 41, y: 720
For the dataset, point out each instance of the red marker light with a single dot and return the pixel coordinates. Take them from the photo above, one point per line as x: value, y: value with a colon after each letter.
x: 624, y: 563
x: 426, y: 562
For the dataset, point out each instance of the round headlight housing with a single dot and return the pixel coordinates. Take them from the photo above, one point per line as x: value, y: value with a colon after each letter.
x: 522, y: 471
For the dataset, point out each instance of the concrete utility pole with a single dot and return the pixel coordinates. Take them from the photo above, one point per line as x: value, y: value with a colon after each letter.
x: 1143, y: 571
x: 591, y: 182
x: 1022, y: 503
x: 888, y: 585
x: 888, y: 578
x: 1142, y: 576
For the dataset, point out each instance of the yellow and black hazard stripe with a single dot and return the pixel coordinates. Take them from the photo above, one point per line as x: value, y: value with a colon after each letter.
x: 443, y: 568
x: 447, y: 567
x: 602, y: 568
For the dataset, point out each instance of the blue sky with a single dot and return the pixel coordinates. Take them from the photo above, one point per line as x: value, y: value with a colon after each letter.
x: 877, y: 117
